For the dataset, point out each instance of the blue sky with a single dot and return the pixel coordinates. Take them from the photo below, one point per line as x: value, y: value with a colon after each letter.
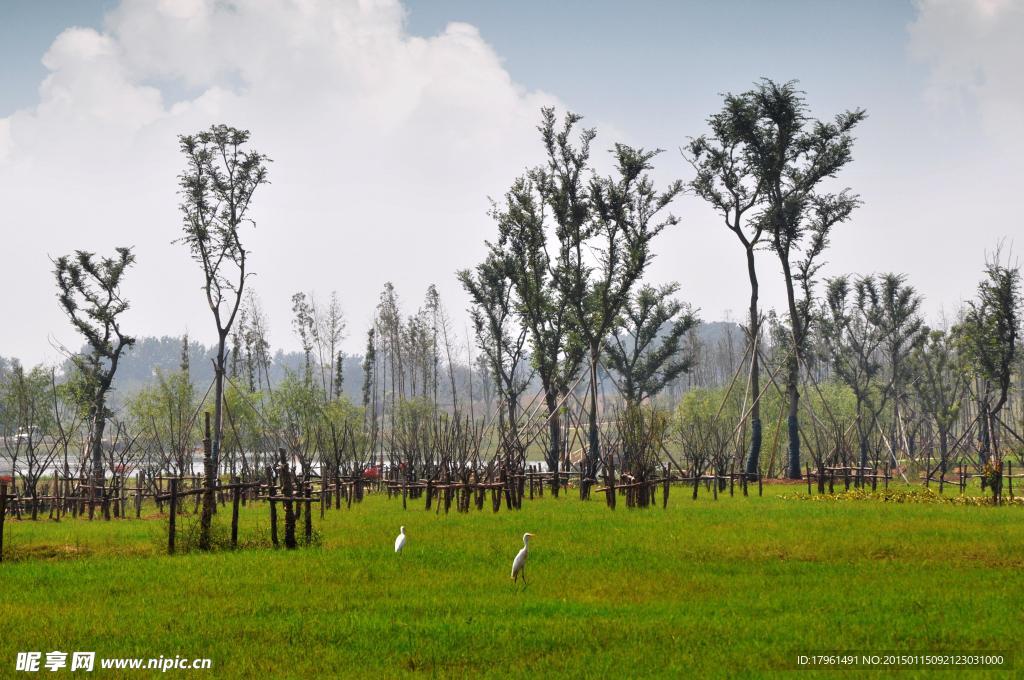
x: 448, y: 120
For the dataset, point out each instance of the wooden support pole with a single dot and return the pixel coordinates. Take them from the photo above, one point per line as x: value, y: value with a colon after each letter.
x: 1009, y: 472
x: 172, y: 518
x: 808, y: 467
x: 664, y: 489
x: 236, y: 494
x: 307, y: 516
x: 325, y: 497
x: 3, y: 516
x: 138, y: 495
x: 272, y: 490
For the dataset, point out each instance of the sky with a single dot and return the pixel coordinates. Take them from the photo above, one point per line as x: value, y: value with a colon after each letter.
x: 391, y: 125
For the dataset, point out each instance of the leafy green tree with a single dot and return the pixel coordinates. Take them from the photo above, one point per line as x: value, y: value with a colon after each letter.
x: 217, y: 186
x: 939, y: 384
x: 165, y: 412
x: 27, y: 420
x: 305, y: 328
x: 791, y: 155
x: 645, y: 348
x: 492, y: 313
x: 988, y: 336
x: 623, y: 221
x: 89, y: 292
x: 727, y: 181
x: 369, y: 361
x: 902, y: 329
x: 850, y: 325
x: 549, y: 201
x: 295, y: 411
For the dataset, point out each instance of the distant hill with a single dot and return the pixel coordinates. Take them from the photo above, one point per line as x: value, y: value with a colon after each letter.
x: 139, y: 366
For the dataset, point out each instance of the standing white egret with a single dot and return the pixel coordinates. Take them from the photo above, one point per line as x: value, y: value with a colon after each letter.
x: 400, y: 541
x: 519, y: 563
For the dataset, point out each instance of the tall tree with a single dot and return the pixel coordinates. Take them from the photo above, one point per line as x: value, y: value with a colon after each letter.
x: 728, y: 182
x: 850, y: 327
x: 989, y: 334
x: 217, y: 186
x: 623, y: 222
x: 369, y: 362
x: 305, y: 328
x: 646, y: 346
x: 902, y: 329
x: 939, y: 385
x: 791, y: 155
x: 524, y: 228
x: 89, y: 291
x: 504, y: 345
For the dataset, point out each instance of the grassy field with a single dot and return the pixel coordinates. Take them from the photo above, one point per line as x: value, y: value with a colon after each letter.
x: 734, y: 587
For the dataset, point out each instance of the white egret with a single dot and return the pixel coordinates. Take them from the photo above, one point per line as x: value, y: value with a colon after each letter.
x: 519, y: 563
x: 400, y: 541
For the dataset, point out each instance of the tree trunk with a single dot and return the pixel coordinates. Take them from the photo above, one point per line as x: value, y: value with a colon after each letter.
x: 793, y: 377
x: 983, y: 435
x: 99, y: 423
x: 754, y: 457
x: 555, y: 435
x: 943, y: 449
x: 593, y: 440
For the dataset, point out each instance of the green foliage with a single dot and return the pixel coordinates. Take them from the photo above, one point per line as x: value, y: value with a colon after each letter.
x: 645, y: 348
x: 216, y: 190
x: 989, y: 333
x: 89, y: 291
x: 26, y: 406
x: 941, y: 379
x: 165, y: 414
x: 829, y: 397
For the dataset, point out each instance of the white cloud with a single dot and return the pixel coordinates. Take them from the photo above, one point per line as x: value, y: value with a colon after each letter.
x: 385, y: 148
x: 974, y: 50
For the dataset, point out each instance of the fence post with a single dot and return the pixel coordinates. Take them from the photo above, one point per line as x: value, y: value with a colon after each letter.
x: 664, y: 490
x: 172, y: 520
x: 138, y: 494
x: 3, y: 516
x: 325, y: 496
x: 1009, y: 476
x: 808, y: 468
x: 308, y: 516
x: 235, y: 498
x: 271, y: 490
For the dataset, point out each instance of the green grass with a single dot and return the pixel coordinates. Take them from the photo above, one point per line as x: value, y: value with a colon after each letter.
x: 733, y: 587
